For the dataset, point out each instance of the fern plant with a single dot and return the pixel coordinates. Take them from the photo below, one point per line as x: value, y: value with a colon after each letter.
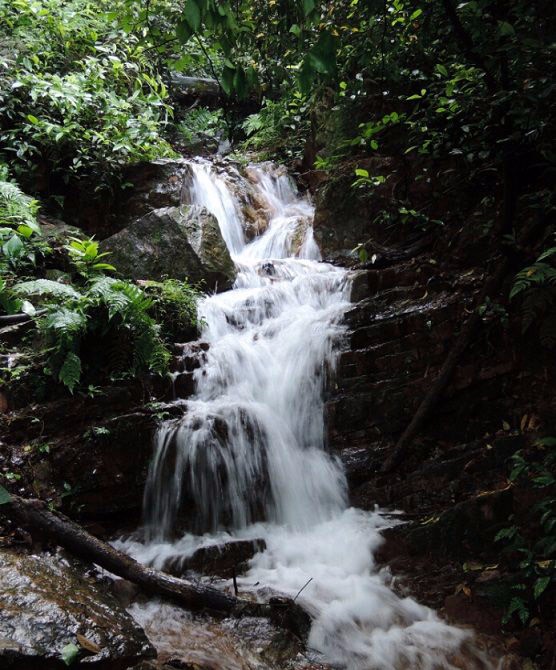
x: 535, y: 286
x: 108, y: 313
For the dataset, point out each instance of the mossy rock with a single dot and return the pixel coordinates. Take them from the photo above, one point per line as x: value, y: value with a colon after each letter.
x: 173, y: 242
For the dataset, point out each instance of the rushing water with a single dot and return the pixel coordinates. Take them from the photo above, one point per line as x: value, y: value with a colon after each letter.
x: 249, y: 454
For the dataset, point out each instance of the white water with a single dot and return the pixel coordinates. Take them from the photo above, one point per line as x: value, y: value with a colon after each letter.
x: 249, y: 452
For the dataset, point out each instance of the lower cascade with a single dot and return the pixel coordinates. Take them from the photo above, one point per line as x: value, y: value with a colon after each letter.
x: 247, y: 458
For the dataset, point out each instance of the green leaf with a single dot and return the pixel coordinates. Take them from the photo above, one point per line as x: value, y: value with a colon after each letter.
x: 360, y: 172
x: 5, y: 497
x: 322, y: 56
x: 192, y: 15
x: 540, y: 586
x: 416, y: 14
x: 183, y: 31
x: 70, y: 653
x: 70, y: 372
x: 505, y: 29
x: 32, y: 119
x: 14, y: 247
x: 227, y: 80
x: 103, y: 266
x: 295, y: 30
x: 308, y: 6
x: 240, y: 82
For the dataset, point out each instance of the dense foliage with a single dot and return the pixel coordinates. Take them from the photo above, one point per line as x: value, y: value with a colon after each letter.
x: 79, y: 98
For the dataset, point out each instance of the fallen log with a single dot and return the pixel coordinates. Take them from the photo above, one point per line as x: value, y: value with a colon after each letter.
x: 36, y: 517
x: 201, y: 88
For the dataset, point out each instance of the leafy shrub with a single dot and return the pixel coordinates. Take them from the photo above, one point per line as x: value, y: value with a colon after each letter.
x: 281, y: 127
x: 201, y: 121
x: 80, y: 98
x: 530, y: 548
x: 19, y: 228
x: 86, y: 256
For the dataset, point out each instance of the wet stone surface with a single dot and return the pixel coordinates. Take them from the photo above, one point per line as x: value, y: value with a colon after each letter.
x: 47, y: 604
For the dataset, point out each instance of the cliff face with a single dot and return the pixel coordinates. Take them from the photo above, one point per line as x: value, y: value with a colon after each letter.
x: 452, y: 485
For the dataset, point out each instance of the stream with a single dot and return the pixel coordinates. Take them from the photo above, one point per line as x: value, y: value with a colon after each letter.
x: 249, y: 455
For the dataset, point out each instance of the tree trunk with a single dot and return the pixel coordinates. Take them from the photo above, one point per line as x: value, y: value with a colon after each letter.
x: 34, y: 515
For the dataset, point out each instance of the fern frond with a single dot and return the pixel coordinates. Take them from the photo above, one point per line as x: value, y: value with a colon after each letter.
x: 46, y: 287
x: 137, y: 298
x: 16, y: 207
x: 63, y: 320
x: 70, y: 372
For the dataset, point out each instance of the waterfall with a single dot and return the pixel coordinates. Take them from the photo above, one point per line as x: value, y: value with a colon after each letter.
x: 248, y: 455
x: 249, y: 446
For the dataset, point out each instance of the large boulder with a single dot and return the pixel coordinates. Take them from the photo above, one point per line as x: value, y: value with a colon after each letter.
x: 47, y: 603
x: 153, y: 185
x: 176, y: 242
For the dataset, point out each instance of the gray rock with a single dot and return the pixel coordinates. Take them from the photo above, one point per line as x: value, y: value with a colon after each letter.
x: 175, y: 242
x: 47, y: 602
x: 153, y: 185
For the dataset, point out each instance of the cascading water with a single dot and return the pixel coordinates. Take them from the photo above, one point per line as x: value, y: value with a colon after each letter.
x: 249, y: 454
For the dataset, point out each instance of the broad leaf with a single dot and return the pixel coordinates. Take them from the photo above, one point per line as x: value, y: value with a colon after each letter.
x: 192, y: 15
x: 5, y: 497
x: 70, y: 653
x: 540, y: 586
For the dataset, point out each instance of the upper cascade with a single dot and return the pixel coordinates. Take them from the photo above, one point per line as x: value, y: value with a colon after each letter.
x: 263, y: 204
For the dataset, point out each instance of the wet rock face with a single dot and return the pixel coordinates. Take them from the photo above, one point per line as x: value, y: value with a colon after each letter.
x: 91, y: 447
x: 345, y: 217
x: 401, y: 328
x: 177, y: 242
x: 47, y: 603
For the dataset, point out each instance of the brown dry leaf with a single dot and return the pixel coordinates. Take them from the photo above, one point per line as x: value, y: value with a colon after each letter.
x: 472, y: 565
x: 467, y: 591
x: 87, y: 644
x: 534, y: 423
x: 524, y: 422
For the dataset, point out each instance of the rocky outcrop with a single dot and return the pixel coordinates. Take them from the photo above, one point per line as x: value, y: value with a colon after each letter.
x: 452, y: 485
x: 89, y: 454
x: 346, y: 217
x: 49, y: 602
x: 177, y: 242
